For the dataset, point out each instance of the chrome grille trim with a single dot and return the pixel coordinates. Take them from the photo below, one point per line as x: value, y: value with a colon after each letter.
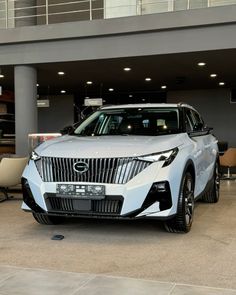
x: 102, y: 170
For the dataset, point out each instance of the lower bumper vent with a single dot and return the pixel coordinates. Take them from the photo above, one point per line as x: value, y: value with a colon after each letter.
x: 78, y: 206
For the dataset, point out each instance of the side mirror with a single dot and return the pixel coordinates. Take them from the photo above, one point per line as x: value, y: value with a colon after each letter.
x: 208, y: 129
x: 67, y: 130
x: 203, y: 131
x: 198, y: 127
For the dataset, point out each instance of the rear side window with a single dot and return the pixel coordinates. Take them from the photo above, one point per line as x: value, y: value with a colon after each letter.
x: 193, y: 121
x: 189, y: 120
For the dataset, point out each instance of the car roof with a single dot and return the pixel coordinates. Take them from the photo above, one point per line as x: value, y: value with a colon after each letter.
x: 147, y: 105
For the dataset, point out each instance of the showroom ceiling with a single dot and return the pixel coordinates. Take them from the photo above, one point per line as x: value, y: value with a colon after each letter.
x: 175, y: 71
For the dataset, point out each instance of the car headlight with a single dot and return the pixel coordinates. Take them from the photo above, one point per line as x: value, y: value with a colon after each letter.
x: 166, y: 156
x: 34, y: 156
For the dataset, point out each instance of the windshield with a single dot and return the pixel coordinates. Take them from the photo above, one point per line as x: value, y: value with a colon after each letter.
x: 131, y: 121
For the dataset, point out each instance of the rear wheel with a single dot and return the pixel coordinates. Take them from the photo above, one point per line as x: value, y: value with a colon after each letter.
x: 182, y: 222
x: 45, y: 219
x: 212, y: 196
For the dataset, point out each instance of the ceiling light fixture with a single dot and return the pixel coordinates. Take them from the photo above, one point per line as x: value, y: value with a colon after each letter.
x: 221, y: 83
x: 127, y: 69
x: 111, y: 89
x: 163, y: 87
x: 1, y: 76
x: 37, y: 85
x: 131, y: 95
x: 213, y: 75
x: 148, y: 79
x: 61, y: 73
x: 201, y: 64
x: 63, y: 91
x: 89, y: 82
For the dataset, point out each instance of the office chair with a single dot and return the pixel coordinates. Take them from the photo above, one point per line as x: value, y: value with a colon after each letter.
x: 228, y: 160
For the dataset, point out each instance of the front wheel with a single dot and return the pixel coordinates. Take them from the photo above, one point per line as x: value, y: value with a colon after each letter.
x: 45, y: 219
x: 182, y: 221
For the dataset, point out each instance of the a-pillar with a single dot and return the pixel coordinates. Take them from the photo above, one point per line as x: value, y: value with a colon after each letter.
x: 26, y: 114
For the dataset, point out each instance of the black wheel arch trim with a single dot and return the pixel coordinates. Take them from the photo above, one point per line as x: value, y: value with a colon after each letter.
x: 210, y: 181
x: 189, y: 166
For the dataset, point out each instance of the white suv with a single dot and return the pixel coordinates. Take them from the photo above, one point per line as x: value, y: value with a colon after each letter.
x: 126, y: 161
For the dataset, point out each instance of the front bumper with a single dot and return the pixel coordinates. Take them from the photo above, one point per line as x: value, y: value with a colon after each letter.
x: 138, y: 198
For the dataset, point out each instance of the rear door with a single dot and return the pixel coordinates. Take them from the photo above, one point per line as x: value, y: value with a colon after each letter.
x: 195, y: 129
x: 209, y: 143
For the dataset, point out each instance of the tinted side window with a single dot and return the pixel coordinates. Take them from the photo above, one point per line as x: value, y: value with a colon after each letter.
x: 189, y: 120
x: 198, y: 122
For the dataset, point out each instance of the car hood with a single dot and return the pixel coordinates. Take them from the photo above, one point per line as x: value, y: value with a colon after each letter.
x: 108, y: 146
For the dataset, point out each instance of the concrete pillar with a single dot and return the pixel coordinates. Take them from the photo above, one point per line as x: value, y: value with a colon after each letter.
x: 25, y: 16
x: 26, y: 114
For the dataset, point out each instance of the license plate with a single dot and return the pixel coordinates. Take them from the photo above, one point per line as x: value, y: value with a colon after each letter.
x: 82, y: 191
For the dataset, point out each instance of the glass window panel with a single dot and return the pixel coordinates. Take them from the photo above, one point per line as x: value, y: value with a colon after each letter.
x: 119, y: 8
x: 155, y: 6
x: 222, y: 2
x: 2, y: 15
x: 198, y: 4
x: 180, y: 4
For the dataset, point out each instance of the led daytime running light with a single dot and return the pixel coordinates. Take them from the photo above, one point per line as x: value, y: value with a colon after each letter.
x: 167, y: 156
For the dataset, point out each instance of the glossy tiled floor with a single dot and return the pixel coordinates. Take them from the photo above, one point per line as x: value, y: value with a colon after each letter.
x: 19, y: 281
x: 114, y: 257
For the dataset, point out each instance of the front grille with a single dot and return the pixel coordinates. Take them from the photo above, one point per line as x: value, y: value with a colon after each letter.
x: 71, y: 205
x: 107, y: 170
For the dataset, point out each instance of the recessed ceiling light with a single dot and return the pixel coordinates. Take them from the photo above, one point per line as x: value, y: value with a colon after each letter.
x: 201, y: 64
x: 131, y: 95
x: 89, y: 82
x: 148, y: 79
x: 111, y: 89
x: 143, y: 99
x: 127, y: 69
x: 61, y: 73
x: 221, y: 83
x: 213, y: 75
x: 63, y: 91
x: 1, y: 76
x: 163, y: 87
x: 37, y: 85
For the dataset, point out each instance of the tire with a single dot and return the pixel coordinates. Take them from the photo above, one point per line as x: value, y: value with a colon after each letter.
x: 212, y: 196
x: 183, y: 219
x: 45, y: 219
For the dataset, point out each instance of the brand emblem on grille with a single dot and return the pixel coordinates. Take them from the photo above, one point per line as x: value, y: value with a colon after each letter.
x: 81, y: 167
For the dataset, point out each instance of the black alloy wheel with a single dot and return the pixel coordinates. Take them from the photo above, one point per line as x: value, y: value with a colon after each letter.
x: 216, y: 189
x: 45, y: 219
x: 182, y: 222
